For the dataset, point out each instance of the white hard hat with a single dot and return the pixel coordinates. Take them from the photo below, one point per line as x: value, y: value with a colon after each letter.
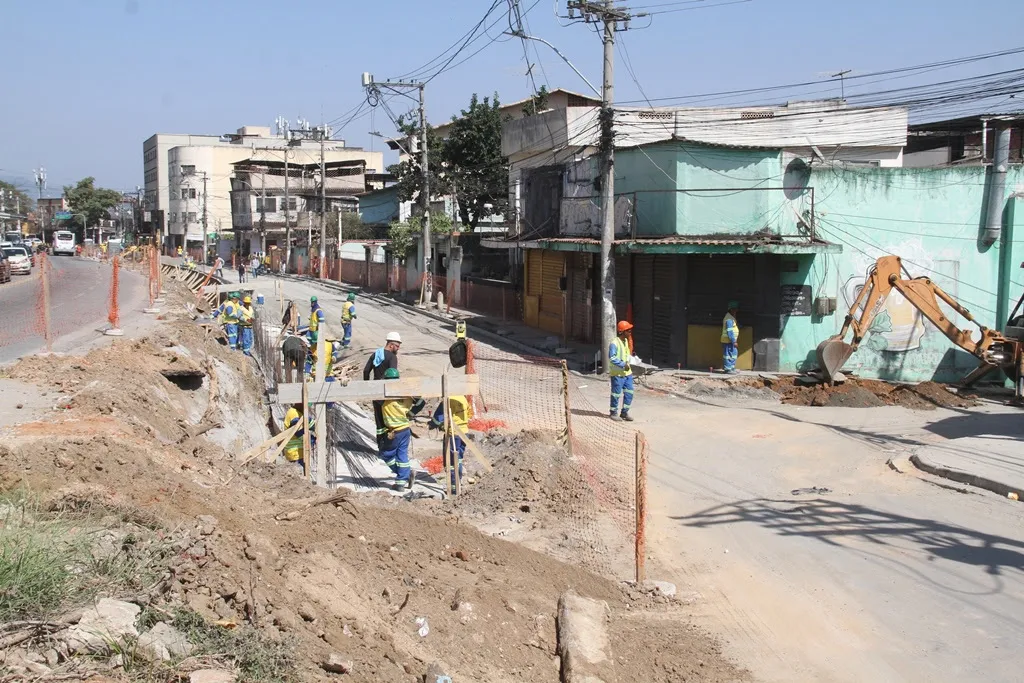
x: 393, y: 337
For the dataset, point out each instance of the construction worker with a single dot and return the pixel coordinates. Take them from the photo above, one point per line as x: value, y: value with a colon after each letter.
x: 348, y: 314
x: 619, y: 353
x: 293, y: 349
x: 730, y: 338
x: 382, y: 360
x: 245, y: 316
x: 316, y: 318
x: 293, y: 451
x: 227, y: 313
x: 398, y: 413
x: 180, y: 251
x: 462, y: 412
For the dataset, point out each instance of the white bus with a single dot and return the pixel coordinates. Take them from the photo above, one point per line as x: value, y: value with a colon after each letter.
x: 63, y: 243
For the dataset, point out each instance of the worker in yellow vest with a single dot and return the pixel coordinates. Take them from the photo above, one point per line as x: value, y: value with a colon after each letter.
x: 293, y: 451
x: 462, y: 412
x: 730, y: 337
x: 398, y: 414
x: 316, y: 319
x: 348, y: 314
x: 619, y: 353
x: 227, y: 314
x: 245, y: 318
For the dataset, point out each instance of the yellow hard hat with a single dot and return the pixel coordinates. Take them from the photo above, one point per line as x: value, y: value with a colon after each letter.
x: 247, y: 300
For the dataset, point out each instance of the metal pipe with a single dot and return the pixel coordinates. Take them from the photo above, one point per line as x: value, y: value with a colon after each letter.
x: 997, y: 187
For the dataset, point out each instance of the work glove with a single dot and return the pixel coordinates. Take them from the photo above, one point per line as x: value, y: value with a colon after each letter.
x: 417, y: 406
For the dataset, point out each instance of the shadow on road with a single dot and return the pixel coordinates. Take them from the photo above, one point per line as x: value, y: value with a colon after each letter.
x: 993, y: 426
x: 832, y: 521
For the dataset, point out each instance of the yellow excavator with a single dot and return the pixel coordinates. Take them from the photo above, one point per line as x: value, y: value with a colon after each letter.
x: 1003, y: 350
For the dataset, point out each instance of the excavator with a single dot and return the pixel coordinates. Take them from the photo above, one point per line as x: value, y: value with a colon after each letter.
x: 1003, y: 350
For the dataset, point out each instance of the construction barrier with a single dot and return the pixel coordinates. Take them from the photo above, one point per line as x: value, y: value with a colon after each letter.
x: 114, y: 307
x: 604, y: 481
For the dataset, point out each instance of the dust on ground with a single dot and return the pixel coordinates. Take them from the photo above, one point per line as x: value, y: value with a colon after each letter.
x: 389, y: 587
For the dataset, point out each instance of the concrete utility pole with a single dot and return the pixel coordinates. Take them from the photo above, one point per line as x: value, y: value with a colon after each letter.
x: 40, y: 174
x: 205, y: 231
x: 373, y: 91
x: 287, y: 217
x: 614, y: 19
x: 323, y: 205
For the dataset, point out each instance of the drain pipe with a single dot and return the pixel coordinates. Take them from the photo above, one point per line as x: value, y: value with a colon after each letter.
x: 997, y: 187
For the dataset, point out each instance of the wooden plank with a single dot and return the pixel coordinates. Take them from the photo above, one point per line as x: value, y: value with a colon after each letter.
x: 374, y: 390
x: 321, y: 414
x: 304, y: 393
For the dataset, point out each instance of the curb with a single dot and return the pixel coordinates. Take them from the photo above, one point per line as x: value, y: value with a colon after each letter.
x: 963, y: 477
x: 485, y: 333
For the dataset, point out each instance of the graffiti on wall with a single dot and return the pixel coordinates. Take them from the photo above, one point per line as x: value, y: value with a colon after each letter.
x: 899, y: 327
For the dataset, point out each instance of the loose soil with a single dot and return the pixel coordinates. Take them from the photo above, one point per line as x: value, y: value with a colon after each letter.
x: 357, y: 575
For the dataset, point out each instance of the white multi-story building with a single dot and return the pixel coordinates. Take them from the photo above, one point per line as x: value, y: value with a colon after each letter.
x: 188, y: 177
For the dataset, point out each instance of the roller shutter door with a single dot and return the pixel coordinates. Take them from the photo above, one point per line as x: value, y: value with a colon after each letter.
x: 623, y: 275
x: 662, y: 308
x: 552, y: 300
x: 643, y: 306
x: 580, y: 297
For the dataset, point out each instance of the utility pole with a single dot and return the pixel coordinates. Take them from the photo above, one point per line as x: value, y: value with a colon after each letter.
x: 613, y: 19
x: 323, y: 204
x: 263, y: 212
x: 205, y: 232
x: 373, y: 94
x: 287, y: 216
x: 40, y: 174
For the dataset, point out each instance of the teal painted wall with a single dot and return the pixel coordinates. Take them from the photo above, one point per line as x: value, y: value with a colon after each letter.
x: 724, y: 190
x: 932, y: 219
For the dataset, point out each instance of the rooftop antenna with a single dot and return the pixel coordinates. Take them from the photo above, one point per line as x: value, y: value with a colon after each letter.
x: 842, y: 82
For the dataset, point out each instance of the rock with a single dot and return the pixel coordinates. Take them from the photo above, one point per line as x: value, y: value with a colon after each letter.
x: 223, y: 610
x: 211, y: 676
x: 583, y: 644
x: 250, y: 553
x: 461, y: 554
x: 336, y: 664
x: 662, y: 588
x: 164, y: 642
x: 198, y: 550
x: 285, y: 621
x: 435, y: 672
x: 545, y: 633
x: 307, y: 612
x: 109, y: 621
x: 207, y: 520
x: 227, y: 591
x: 51, y: 657
x: 63, y: 462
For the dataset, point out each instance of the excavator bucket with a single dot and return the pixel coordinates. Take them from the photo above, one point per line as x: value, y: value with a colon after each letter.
x: 832, y: 355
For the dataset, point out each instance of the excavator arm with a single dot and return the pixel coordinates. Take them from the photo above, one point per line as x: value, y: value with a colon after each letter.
x: 923, y: 294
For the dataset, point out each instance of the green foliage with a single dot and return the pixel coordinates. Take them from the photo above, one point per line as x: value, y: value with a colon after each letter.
x: 537, y: 103
x: 476, y: 171
x: 16, y: 198
x: 256, y: 657
x: 90, y: 200
x: 408, y: 172
x: 352, y: 226
x: 403, y: 235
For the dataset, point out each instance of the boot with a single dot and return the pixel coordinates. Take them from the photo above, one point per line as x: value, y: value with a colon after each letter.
x: 614, y: 416
x: 626, y: 416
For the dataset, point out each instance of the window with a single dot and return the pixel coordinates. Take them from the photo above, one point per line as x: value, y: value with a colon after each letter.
x: 191, y: 216
x: 184, y: 193
x: 188, y: 170
x: 192, y: 193
x: 266, y: 204
x: 291, y: 203
x: 174, y: 217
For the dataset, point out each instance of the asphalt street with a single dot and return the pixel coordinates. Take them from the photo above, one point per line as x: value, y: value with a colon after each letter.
x: 79, y: 304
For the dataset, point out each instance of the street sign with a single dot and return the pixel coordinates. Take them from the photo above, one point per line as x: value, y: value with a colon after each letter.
x: 62, y: 215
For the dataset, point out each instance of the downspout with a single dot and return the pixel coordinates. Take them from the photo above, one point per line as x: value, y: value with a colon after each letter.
x: 1006, y: 267
x: 997, y: 188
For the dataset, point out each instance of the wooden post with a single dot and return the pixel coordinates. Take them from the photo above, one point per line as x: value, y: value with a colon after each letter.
x: 640, y: 550
x: 321, y: 412
x: 280, y: 297
x: 306, y: 450
x: 568, y: 410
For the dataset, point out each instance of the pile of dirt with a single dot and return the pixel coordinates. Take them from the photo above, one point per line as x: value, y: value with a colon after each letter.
x: 866, y: 393
x: 388, y: 589
x: 727, y: 389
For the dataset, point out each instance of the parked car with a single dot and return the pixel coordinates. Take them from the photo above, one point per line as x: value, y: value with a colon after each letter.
x: 63, y: 243
x: 5, y: 267
x: 19, y: 260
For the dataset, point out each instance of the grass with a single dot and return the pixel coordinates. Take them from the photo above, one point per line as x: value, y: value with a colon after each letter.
x: 47, y: 565
x: 257, y: 658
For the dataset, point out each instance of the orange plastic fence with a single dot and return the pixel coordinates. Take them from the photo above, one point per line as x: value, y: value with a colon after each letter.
x: 114, y: 314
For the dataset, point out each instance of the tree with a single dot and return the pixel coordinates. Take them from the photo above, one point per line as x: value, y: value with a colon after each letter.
x: 86, y: 198
x: 403, y: 235
x: 352, y: 226
x: 537, y: 103
x: 15, y: 199
x: 474, y: 167
x: 408, y: 172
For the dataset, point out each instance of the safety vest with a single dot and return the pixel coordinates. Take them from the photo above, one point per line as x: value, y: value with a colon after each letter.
x: 461, y: 411
x: 729, y: 324
x: 315, y: 317
x: 348, y: 310
x: 620, y: 350
x: 395, y: 413
x: 293, y: 449
x: 245, y: 314
x: 229, y: 313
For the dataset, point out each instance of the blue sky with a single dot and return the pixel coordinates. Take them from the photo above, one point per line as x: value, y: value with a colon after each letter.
x: 89, y: 81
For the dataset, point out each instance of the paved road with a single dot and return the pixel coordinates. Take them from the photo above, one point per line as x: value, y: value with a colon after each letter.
x: 79, y: 293
x: 888, y: 577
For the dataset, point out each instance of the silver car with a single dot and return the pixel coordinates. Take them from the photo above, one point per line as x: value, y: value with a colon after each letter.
x: 21, y: 264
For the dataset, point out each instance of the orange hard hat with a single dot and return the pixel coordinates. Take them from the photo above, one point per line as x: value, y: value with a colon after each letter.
x: 625, y: 326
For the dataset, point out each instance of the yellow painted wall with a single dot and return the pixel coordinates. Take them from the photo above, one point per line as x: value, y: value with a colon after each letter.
x: 704, y: 347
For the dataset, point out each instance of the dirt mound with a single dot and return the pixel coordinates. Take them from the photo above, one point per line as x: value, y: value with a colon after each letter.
x: 388, y: 588
x: 929, y: 395
x: 867, y: 393
x: 728, y: 389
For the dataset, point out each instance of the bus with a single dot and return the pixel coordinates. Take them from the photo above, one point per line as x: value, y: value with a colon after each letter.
x: 63, y: 243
